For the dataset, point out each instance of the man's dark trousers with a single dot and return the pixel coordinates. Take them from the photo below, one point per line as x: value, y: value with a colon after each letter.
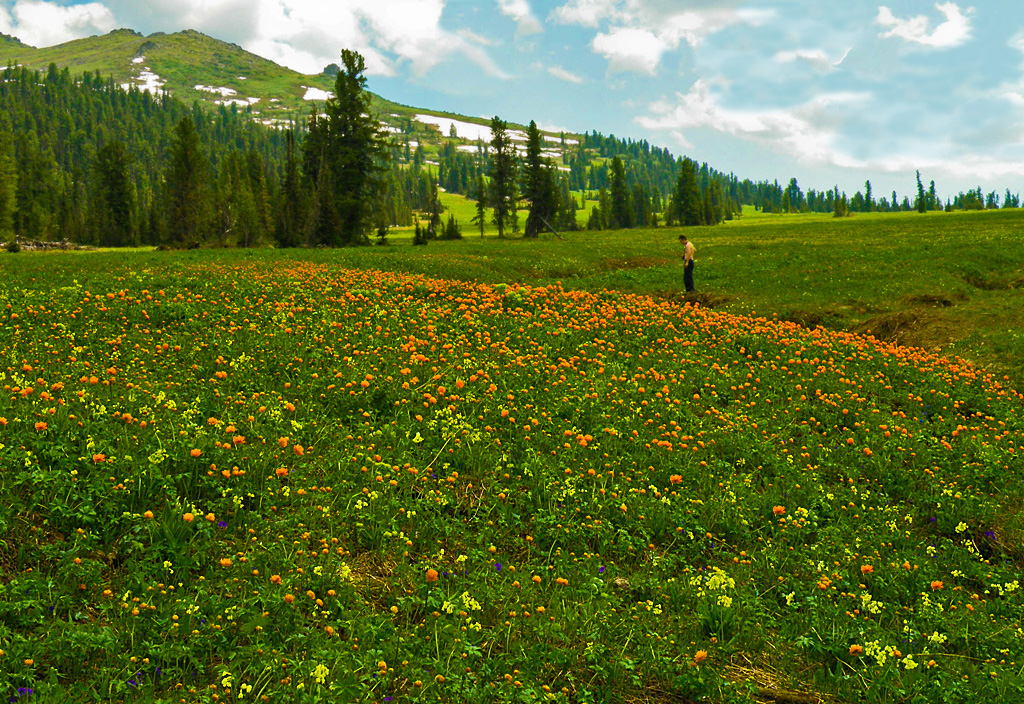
x: 688, y: 276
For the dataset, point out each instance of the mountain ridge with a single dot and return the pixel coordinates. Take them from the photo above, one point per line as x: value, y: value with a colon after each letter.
x: 194, y: 66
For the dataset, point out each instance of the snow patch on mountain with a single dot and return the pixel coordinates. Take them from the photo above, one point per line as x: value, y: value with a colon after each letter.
x: 226, y: 92
x: 146, y: 81
x: 316, y: 94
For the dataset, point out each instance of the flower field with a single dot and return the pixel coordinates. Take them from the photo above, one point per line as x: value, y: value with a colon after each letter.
x: 236, y: 479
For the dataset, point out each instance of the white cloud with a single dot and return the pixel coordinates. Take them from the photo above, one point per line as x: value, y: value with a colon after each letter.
x: 519, y: 10
x: 918, y: 30
x: 44, y: 24
x: 306, y: 35
x: 563, y: 74
x: 630, y: 50
x: 816, y: 58
x: 807, y: 131
x: 641, y: 31
x: 585, y: 12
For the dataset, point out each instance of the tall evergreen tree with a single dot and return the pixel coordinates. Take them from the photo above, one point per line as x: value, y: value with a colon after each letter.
x: 921, y: 202
x: 112, y: 207
x: 687, y: 195
x: 621, y: 213
x: 8, y: 178
x: 539, y: 186
x: 869, y: 201
x: 480, y: 219
x: 291, y: 200
x: 187, y: 183
x: 504, y: 193
x: 355, y: 149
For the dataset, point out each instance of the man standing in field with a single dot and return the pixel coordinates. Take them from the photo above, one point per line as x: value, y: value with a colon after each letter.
x: 688, y: 251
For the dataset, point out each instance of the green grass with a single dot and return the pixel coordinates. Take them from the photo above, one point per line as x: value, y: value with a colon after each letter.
x: 431, y: 473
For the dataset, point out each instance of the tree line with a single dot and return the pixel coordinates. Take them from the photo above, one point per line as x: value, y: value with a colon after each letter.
x: 84, y: 160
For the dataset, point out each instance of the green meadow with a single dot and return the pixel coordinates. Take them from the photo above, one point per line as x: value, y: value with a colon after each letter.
x: 520, y: 471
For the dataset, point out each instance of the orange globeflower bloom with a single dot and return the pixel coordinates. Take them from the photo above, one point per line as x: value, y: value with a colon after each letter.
x: 188, y: 518
x: 282, y: 472
x: 195, y: 452
x: 867, y: 569
x: 282, y: 442
x: 779, y: 510
x: 431, y: 575
x: 41, y: 426
x: 937, y: 585
x: 225, y: 562
x: 856, y: 650
x: 700, y: 656
x: 289, y: 598
x: 299, y: 450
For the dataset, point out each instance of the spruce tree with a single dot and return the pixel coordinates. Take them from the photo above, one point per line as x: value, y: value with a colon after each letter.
x: 687, y: 195
x: 503, y: 191
x: 187, y: 182
x: 8, y: 179
x: 480, y: 219
x: 291, y: 201
x: 621, y: 213
x: 921, y: 202
x: 538, y: 185
x: 355, y: 149
x: 112, y: 206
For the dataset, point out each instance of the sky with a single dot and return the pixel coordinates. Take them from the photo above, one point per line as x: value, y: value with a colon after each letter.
x: 829, y: 93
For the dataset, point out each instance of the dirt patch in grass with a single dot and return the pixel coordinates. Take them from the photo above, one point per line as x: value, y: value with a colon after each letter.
x: 698, y: 298
x: 934, y: 299
x: 986, y: 283
x: 897, y: 327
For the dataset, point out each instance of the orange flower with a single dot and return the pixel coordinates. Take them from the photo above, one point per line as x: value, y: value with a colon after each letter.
x: 299, y: 450
x: 937, y: 585
x: 275, y: 579
x: 195, y: 452
x: 700, y: 656
x: 41, y: 426
x: 289, y: 598
x: 99, y: 457
x: 282, y: 442
x: 225, y: 562
x: 867, y: 569
x: 779, y: 510
x: 856, y: 650
x: 210, y: 517
x: 188, y: 517
x: 282, y: 472
x: 431, y: 575
x: 148, y: 515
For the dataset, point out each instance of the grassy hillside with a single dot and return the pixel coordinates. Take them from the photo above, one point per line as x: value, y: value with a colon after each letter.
x: 247, y: 474
x: 181, y: 61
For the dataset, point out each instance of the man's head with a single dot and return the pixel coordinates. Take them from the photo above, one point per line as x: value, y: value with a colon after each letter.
x: 682, y: 238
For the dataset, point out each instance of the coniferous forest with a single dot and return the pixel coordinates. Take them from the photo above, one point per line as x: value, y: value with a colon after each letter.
x: 83, y: 160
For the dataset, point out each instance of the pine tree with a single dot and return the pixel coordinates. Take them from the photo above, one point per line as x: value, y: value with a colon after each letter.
x: 538, y: 185
x: 503, y: 193
x: 869, y: 201
x: 687, y: 195
x: 356, y: 150
x: 112, y: 206
x: 480, y: 219
x: 291, y: 201
x: 8, y: 178
x: 187, y: 183
x: 621, y: 215
x: 921, y: 202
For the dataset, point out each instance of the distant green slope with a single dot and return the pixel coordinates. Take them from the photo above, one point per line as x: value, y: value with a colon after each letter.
x: 180, y: 62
